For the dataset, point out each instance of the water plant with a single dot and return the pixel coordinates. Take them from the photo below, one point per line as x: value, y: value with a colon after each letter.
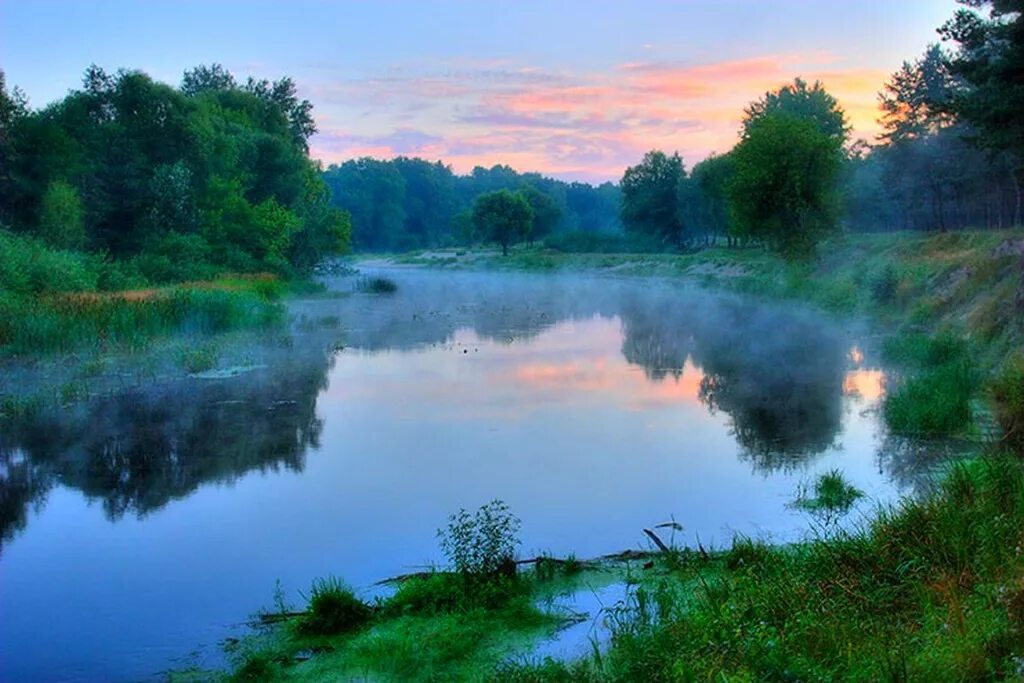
x: 376, y: 285
x: 484, y: 542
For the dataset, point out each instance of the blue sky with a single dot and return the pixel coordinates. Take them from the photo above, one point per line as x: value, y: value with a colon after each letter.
x: 575, y: 89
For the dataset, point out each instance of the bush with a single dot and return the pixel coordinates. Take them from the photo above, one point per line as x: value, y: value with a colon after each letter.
x: 484, y: 542
x: 333, y: 609
x: 376, y: 285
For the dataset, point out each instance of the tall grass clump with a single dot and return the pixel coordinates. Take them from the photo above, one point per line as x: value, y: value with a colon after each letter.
x: 333, y: 609
x: 833, y: 495
x: 934, y: 399
x: 376, y: 285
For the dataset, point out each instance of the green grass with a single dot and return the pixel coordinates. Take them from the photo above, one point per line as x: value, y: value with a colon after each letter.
x: 931, y: 590
x: 934, y: 398
x: 832, y: 494
x: 54, y: 301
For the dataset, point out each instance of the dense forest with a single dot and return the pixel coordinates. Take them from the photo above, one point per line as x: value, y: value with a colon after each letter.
x: 172, y: 183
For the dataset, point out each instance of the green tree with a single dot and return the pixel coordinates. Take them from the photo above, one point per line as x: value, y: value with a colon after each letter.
x: 990, y: 61
x: 711, y: 179
x: 503, y: 217
x: 812, y: 103
x: 783, y: 187
x: 650, y: 197
x: 61, y: 220
x: 546, y: 214
x: 915, y: 100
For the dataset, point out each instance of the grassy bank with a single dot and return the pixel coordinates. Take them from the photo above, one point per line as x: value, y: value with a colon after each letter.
x: 54, y: 301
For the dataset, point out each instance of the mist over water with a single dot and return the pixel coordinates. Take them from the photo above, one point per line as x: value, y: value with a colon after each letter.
x: 138, y: 526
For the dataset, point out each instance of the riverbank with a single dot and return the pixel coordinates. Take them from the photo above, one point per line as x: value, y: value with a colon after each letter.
x: 927, y: 590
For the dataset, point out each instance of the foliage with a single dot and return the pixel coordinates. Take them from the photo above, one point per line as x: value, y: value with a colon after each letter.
x: 546, y: 214
x: 783, y: 188
x: 125, y: 161
x: 333, y: 608
x: 650, y: 200
x: 483, y: 542
x: 503, y: 217
x: 61, y: 220
x: 800, y: 101
x: 410, y: 203
x: 989, y: 59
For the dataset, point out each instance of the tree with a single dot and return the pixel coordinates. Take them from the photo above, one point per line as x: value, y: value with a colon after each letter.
x: 990, y: 61
x: 373, y: 192
x: 711, y: 179
x: 212, y: 78
x: 798, y: 100
x: 546, y: 214
x: 915, y: 100
x: 503, y: 217
x: 783, y: 189
x: 61, y: 218
x: 650, y: 197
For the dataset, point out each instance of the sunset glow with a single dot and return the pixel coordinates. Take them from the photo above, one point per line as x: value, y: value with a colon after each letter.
x: 580, y: 95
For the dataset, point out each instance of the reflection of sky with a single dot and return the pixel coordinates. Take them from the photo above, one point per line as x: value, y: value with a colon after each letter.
x: 580, y: 444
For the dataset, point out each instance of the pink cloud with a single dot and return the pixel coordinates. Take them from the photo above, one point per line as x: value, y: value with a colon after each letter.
x: 586, y: 126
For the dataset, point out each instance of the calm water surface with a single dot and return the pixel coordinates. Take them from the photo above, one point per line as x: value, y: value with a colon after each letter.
x: 140, y: 529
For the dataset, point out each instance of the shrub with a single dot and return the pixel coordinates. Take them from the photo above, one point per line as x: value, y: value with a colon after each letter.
x: 484, y: 542
x: 376, y: 285
x: 333, y: 608
x: 884, y: 286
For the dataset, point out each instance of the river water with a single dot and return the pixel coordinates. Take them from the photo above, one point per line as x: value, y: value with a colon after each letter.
x: 140, y: 528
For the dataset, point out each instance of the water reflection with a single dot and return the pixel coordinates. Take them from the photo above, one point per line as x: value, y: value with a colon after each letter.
x: 592, y: 406
x: 779, y: 376
x: 137, y: 451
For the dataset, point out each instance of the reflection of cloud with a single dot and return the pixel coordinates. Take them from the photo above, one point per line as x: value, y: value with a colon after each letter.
x: 586, y: 125
x: 867, y: 384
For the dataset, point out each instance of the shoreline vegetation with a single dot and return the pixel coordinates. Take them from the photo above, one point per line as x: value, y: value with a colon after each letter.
x: 927, y: 589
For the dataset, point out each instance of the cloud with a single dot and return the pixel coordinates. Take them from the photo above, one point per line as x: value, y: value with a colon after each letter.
x: 585, y: 125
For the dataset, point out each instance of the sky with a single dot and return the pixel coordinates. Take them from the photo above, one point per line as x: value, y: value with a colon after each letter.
x: 577, y: 90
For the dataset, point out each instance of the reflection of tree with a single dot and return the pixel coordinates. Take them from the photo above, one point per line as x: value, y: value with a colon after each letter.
x: 914, y: 465
x: 657, y: 337
x: 777, y: 374
x: 137, y: 451
x: 21, y: 484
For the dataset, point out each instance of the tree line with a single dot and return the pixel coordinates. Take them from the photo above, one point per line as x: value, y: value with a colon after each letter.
x: 408, y: 203
x: 178, y: 181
